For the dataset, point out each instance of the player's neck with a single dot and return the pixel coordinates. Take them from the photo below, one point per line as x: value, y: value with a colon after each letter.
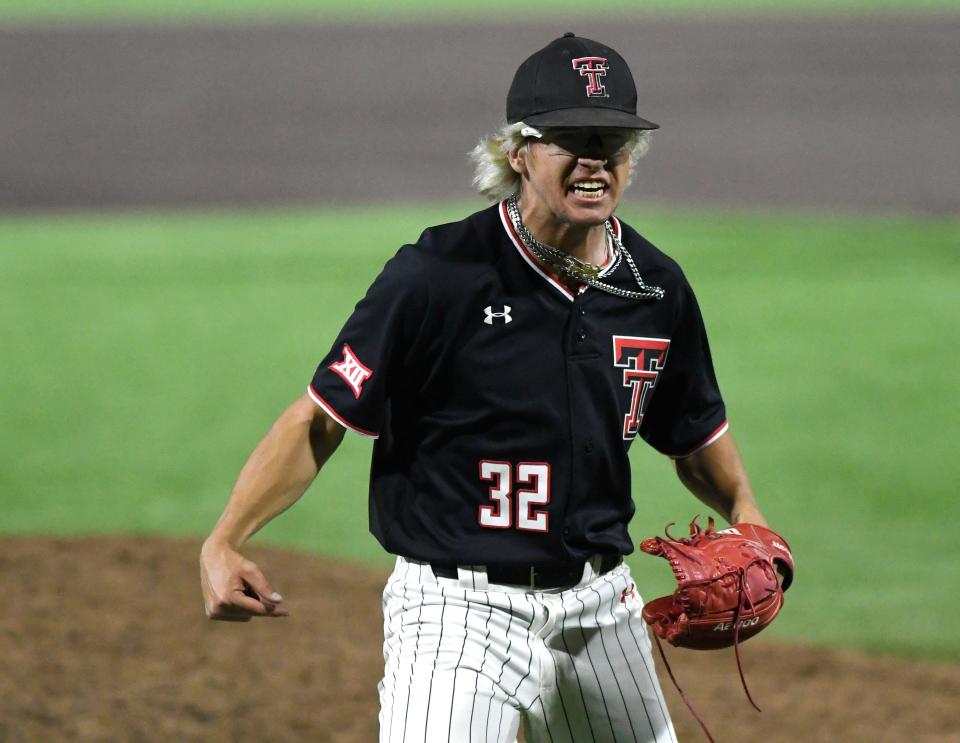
x: 584, y: 242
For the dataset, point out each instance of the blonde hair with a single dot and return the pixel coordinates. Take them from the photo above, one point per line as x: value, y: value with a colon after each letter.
x: 495, y: 179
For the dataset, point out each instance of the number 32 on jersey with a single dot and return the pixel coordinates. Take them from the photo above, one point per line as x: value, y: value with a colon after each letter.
x: 515, y: 494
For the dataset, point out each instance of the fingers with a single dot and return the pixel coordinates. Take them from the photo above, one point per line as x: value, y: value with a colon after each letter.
x: 246, y: 601
x: 235, y: 590
x: 240, y: 605
x: 257, y: 588
x: 258, y: 584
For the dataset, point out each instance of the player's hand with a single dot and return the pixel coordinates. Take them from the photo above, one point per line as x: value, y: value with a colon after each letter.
x: 234, y: 589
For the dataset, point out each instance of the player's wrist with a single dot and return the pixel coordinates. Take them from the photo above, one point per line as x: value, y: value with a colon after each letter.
x: 747, y: 513
x: 219, y: 542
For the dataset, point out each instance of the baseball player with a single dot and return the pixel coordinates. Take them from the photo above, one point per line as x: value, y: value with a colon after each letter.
x: 503, y: 365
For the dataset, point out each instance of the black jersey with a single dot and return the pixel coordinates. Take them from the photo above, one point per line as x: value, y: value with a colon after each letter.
x: 504, y: 404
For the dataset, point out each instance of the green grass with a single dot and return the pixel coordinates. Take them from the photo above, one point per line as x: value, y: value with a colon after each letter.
x: 835, y: 346
x: 144, y: 356
x: 433, y: 10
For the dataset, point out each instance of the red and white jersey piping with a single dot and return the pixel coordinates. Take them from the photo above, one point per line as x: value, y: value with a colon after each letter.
x: 328, y: 409
x: 721, y: 429
x: 535, y: 264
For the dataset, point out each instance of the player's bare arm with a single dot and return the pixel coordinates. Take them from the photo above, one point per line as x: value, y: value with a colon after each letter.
x: 277, y: 473
x: 717, y: 476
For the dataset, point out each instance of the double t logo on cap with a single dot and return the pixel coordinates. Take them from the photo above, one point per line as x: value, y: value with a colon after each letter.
x: 593, y: 68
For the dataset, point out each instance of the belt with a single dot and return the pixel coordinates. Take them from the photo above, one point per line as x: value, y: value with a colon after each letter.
x: 554, y: 575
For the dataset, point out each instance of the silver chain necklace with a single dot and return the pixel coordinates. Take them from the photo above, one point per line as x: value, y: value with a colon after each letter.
x: 581, y: 271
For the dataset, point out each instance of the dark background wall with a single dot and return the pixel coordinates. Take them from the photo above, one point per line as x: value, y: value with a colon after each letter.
x: 827, y: 115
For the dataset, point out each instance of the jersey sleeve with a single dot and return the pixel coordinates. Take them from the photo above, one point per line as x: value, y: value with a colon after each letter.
x: 687, y: 411
x: 354, y: 380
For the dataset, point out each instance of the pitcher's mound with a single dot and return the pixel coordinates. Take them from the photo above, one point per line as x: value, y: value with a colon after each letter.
x: 106, y: 639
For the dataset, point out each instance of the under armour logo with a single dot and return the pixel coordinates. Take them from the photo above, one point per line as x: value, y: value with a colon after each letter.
x: 593, y: 68
x: 491, y: 314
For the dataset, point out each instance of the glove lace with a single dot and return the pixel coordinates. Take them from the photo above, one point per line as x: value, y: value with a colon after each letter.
x: 745, y: 603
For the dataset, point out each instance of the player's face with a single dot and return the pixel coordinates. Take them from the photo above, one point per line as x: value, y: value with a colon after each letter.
x: 576, y: 174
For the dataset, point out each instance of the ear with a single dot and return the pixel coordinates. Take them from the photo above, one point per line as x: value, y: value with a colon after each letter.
x: 517, y: 157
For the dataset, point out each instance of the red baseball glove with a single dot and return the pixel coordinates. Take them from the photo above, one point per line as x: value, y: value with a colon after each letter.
x: 727, y: 590
x: 727, y: 587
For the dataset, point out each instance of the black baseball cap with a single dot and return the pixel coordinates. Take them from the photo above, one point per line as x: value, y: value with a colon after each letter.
x: 574, y: 81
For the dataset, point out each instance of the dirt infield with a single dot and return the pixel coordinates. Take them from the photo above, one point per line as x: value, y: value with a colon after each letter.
x: 833, y: 115
x: 105, y: 639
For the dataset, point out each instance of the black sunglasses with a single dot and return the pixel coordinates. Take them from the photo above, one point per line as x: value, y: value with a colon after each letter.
x: 602, y: 141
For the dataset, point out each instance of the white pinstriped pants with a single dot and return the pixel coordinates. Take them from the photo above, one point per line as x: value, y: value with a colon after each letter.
x: 464, y: 665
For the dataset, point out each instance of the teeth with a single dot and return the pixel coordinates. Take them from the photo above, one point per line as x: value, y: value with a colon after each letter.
x: 589, y: 189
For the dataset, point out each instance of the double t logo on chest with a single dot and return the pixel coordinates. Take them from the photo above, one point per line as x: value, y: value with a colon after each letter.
x: 642, y: 360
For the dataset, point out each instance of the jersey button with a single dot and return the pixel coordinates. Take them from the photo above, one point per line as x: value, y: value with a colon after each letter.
x: 566, y: 532
x: 588, y: 447
x: 582, y: 336
x: 582, y: 312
